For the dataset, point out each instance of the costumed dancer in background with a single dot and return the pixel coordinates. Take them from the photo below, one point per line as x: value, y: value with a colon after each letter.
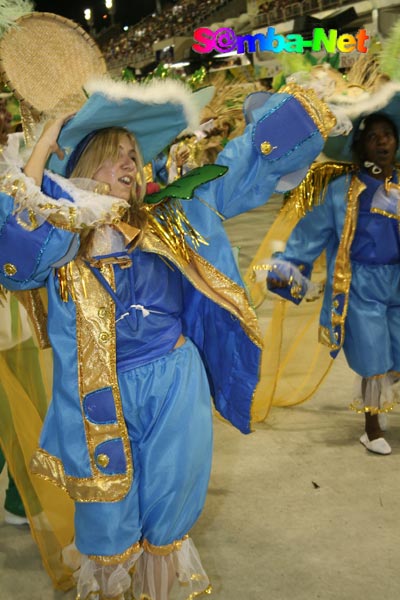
x: 356, y: 222
x: 289, y: 374
x: 148, y: 318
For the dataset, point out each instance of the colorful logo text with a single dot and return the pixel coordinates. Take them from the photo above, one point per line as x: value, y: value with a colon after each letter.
x: 225, y: 40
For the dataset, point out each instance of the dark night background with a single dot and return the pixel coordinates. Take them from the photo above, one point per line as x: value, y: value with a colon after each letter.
x: 127, y: 12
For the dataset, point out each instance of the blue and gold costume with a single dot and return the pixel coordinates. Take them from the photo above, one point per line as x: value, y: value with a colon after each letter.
x: 362, y: 247
x: 129, y: 433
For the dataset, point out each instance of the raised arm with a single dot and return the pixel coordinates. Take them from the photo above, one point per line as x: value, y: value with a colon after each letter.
x: 44, y: 147
x: 286, y: 134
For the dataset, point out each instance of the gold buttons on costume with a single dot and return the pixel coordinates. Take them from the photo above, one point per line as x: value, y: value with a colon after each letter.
x: 266, y: 147
x: 104, y: 337
x: 335, y: 304
x: 102, y: 312
x: 9, y: 269
x: 102, y: 460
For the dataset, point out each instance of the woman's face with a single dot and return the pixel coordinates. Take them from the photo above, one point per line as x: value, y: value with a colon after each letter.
x: 120, y: 174
x: 380, y: 144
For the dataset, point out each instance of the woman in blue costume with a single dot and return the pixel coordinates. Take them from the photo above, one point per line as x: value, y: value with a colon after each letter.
x: 147, y: 318
x: 356, y: 224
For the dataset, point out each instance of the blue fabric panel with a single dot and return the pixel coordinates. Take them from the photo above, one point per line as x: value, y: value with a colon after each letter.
x: 338, y: 304
x: 230, y: 358
x: 99, y: 406
x: 114, y: 449
x: 53, y: 189
x: 22, y: 248
x: 67, y: 423
x: 376, y: 240
x: 274, y: 123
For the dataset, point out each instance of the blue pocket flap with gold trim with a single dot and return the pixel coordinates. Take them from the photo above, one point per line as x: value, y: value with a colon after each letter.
x: 110, y: 458
x: 99, y: 406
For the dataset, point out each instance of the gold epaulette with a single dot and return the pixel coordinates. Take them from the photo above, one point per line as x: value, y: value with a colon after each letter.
x: 312, y: 189
x: 168, y: 221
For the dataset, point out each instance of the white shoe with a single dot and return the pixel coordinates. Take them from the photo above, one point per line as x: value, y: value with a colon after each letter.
x: 378, y: 446
x: 12, y: 519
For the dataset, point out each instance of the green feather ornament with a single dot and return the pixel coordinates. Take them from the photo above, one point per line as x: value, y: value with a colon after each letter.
x: 184, y: 187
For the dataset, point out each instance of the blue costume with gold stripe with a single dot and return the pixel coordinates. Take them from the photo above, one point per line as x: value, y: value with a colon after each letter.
x: 128, y: 433
x: 361, y: 297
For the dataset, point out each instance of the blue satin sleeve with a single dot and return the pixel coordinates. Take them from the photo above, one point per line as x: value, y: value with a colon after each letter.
x: 253, y: 175
x: 27, y: 257
x: 312, y: 235
x: 308, y: 240
x: 249, y: 182
x: 246, y: 185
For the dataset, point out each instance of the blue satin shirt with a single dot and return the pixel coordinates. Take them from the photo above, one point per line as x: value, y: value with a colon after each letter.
x: 376, y: 240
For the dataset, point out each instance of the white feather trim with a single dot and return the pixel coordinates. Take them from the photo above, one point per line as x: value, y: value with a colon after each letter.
x: 153, y: 92
x: 33, y: 207
x: 355, y: 107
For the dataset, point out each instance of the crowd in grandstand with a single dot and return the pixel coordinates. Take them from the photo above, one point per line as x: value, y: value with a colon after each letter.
x: 181, y: 18
x: 178, y: 19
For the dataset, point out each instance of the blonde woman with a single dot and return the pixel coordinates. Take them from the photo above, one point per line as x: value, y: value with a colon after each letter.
x: 148, y: 318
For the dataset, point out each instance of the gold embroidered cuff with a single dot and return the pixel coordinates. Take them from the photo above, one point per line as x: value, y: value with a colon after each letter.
x: 358, y: 407
x: 319, y: 112
x: 100, y: 488
x: 163, y: 550
x: 117, y: 558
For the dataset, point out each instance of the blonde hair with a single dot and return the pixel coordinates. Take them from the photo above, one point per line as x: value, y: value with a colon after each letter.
x: 105, y: 146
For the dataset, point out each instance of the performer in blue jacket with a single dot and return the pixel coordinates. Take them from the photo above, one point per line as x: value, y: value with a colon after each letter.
x: 356, y: 223
x: 147, y: 317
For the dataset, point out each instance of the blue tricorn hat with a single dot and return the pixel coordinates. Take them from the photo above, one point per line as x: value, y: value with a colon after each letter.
x: 385, y: 101
x: 155, y: 113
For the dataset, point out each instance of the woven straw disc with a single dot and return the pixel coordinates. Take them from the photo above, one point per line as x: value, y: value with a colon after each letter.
x: 46, y: 59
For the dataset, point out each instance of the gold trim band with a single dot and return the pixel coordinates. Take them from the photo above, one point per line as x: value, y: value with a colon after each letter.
x: 163, y: 550
x: 316, y: 108
x: 116, y: 558
x: 82, y: 489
